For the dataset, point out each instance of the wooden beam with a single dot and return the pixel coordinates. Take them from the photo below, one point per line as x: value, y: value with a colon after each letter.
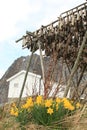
x: 81, y: 8
x: 75, y: 65
x: 41, y: 59
x: 25, y: 78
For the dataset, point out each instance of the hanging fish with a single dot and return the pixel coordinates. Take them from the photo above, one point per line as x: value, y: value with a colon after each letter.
x: 24, y: 41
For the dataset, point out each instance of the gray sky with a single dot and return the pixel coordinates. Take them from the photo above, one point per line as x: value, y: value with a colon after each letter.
x: 17, y: 16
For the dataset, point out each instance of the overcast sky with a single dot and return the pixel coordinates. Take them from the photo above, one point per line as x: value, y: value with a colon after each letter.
x: 18, y: 16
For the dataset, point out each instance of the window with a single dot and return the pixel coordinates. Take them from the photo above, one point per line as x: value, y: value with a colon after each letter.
x: 16, y: 85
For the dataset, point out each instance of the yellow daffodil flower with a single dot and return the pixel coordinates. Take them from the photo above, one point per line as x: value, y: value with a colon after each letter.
x: 39, y: 100
x: 48, y: 103
x: 50, y: 111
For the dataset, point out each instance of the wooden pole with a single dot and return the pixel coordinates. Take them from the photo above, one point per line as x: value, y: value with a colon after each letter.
x: 41, y: 59
x: 25, y: 78
x: 80, y: 78
x: 75, y: 65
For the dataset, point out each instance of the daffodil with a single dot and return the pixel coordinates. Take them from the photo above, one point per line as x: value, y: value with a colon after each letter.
x: 78, y: 105
x: 58, y: 100
x: 29, y: 103
x: 50, y: 111
x: 14, y: 111
x: 68, y: 105
x: 39, y: 100
x: 48, y: 103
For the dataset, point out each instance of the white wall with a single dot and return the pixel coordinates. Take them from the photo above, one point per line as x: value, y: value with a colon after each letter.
x: 34, y: 86
x: 31, y: 87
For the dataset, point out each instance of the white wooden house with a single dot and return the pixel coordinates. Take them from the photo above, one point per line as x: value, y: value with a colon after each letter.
x: 32, y: 86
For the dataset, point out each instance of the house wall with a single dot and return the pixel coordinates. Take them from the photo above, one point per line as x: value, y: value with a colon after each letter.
x: 32, y: 85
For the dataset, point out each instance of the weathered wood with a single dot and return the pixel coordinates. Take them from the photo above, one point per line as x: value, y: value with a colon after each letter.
x: 41, y: 59
x: 64, y: 15
x: 75, y: 65
x: 78, y: 84
x: 65, y: 40
x: 82, y: 73
x: 64, y: 37
x: 25, y: 78
x: 84, y: 86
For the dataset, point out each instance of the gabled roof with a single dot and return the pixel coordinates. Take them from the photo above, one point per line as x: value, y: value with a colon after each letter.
x: 21, y: 72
